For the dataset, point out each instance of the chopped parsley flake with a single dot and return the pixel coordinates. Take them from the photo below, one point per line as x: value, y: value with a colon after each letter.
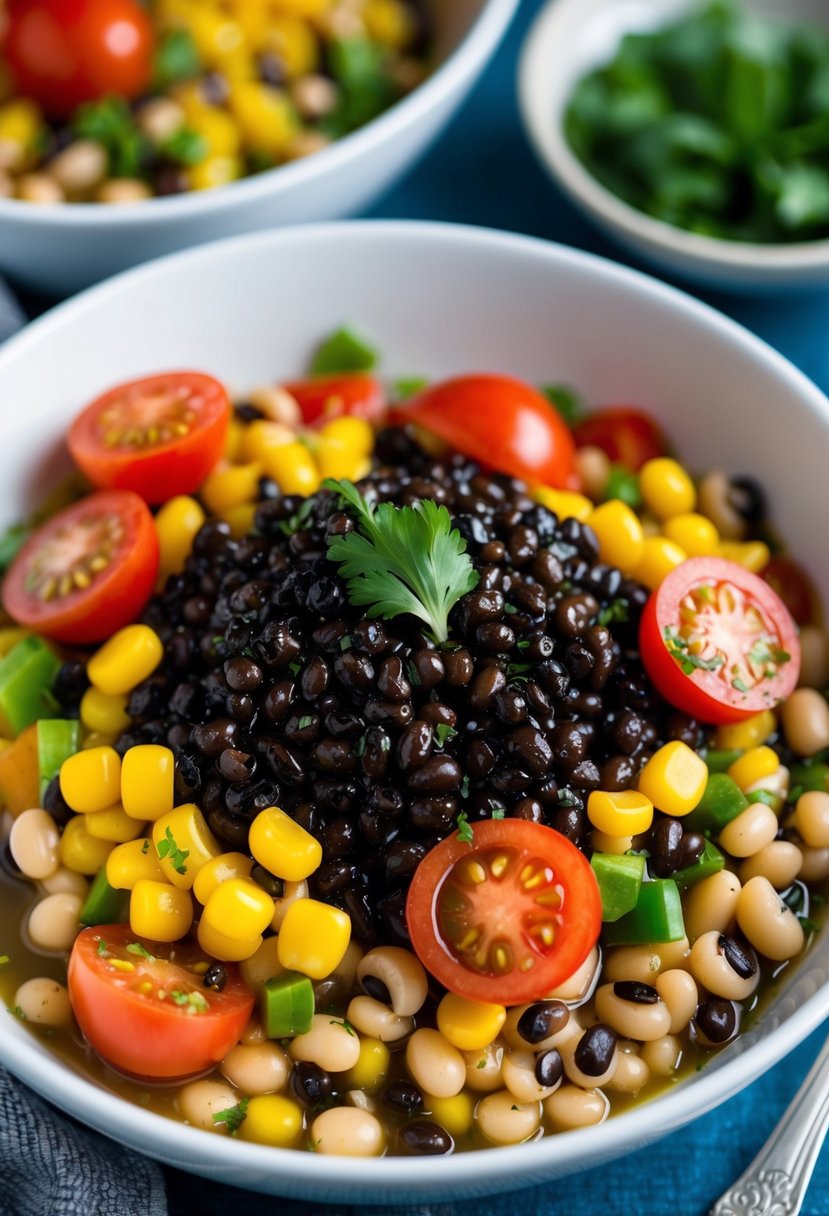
x: 346, y: 1025
x: 18, y: 1013
x: 444, y: 733
x: 464, y: 828
x: 305, y: 721
x: 616, y: 610
x: 193, y: 1002
x: 169, y: 849
x: 137, y: 948
x: 102, y: 949
x: 739, y: 684
x: 498, y: 812
x: 233, y: 1117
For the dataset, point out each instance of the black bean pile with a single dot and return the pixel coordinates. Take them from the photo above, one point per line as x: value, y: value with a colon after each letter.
x: 275, y: 691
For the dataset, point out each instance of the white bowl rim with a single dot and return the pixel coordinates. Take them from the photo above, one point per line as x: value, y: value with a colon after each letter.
x: 485, y: 1170
x: 475, y: 47
x: 539, y: 52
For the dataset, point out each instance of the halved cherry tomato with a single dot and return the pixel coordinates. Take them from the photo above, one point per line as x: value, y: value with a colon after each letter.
x: 793, y: 585
x: 501, y: 422
x: 87, y: 571
x: 626, y: 435
x: 507, y: 918
x: 159, y: 436
x: 322, y: 398
x: 717, y: 642
x: 145, y: 1010
x: 64, y: 52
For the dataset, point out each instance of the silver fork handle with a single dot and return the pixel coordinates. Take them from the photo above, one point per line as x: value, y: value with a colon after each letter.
x: 775, y: 1183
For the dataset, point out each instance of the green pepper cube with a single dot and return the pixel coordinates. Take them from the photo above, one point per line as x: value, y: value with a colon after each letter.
x: 807, y: 777
x: 57, y: 740
x: 722, y: 801
x: 709, y: 862
x: 27, y: 673
x: 657, y: 917
x: 344, y: 351
x: 620, y: 879
x: 718, y: 760
x: 287, y: 1005
x: 105, y: 905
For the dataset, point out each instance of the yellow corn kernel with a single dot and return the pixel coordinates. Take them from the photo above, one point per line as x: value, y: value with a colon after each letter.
x: 186, y: 842
x: 113, y: 825
x: 314, y: 938
x: 230, y: 487
x: 176, y: 524
x: 240, y: 519
x: 753, y: 554
x: 298, y: 8
x: 159, y: 911
x: 355, y: 433
x: 566, y: 504
x: 214, y: 171
x: 754, y: 765
x: 390, y: 23
x: 695, y: 534
x: 293, y: 469
x: 295, y: 43
x: 127, y: 863
x: 266, y: 116
x: 97, y: 738
x: 126, y: 659
x: 239, y: 908
x: 371, y: 1068
x: 674, y: 778
x: 147, y: 774
x: 455, y: 1114
x: 99, y: 712
x: 233, y: 443
x: 469, y: 1025
x: 343, y: 447
x: 619, y: 533
x: 20, y: 122
x: 10, y: 636
x: 216, y: 36
x: 91, y: 779
x: 218, y: 870
x: 602, y: 843
x: 262, y: 437
x: 272, y: 1119
x: 666, y: 487
x: 751, y: 732
x: 223, y: 947
x: 81, y: 852
x: 659, y: 557
x: 282, y: 846
x: 620, y: 812
x: 217, y: 129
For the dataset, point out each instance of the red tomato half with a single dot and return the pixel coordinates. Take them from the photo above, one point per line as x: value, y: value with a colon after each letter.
x: 501, y: 422
x: 159, y: 436
x: 322, y: 398
x: 151, y: 1015
x: 627, y: 436
x: 718, y: 643
x: 64, y: 52
x: 507, y: 918
x: 88, y: 571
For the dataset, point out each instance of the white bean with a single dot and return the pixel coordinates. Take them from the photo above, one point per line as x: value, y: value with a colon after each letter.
x: 770, y: 926
x: 435, y: 1064
x: 711, y: 904
x: 631, y: 1075
x: 711, y: 967
x: 578, y: 986
x: 347, y: 1131
x: 33, y: 844
x: 44, y: 1002
x: 811, y: 817
x: 804, y: 717
x: 679, y: 992
x: 485, y: 1068
x: 54, y: 921
x: 263, y: 965
x: 200, y: 1101
x: 256, y: 1069
x: 80, y: 166
x: 780, y: 862
x: 328, y: 1043
x: 815, y: 864
x: 377, y: 1020
x: 504, y: 1121
x: 750, y: 831
x: 66, y: 880
x: 571, y: 1107
x: 663, y: 1056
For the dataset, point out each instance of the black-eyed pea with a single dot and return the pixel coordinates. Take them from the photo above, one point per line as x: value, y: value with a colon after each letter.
x: 199, y: 1102
x: 641, y: 963
x: 160, y: 118
x: 771, y: 927
x: 725, y: 968
x: 811, y: 818
x: 43, y: 1002
x: 80, y: 167
x: 663, y: 1056
x: 633, y: 1009
x: 521, y: 1077
x: 65, y: 880
x: 260, y: 1068
x: 330, y: 1043
x: 541, y: 1025
x: 804, y: 717
x: 814, y: 657
x: 348, y: 1131
x: 580, y: 984
x: 254, y: 1032
x: 33, y: 844
x: 780, y: 862
x: 378, y: 1021
x: 673, y: 954
x: 750, y: 831
x: 591, y: 1060
x: 484, y: 1068
x: 400, y: 975
x: 504, y: 1121
x: 263, y: 965
x: 711, y: 904
x: 632, y: 1073
x: 678, y: 989
x: 815, y: 865
x: 292, y: 891
x: 776, y: 783
x: 570, y: 1107
x: 714, y: 501
x: 435, y: 1065
x: 54, y: 922
x: 277, y: 405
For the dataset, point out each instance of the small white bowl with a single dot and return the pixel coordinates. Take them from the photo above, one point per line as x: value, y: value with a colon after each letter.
x: 435, y: 300
x: 58, y: 250
x: 572, y: 37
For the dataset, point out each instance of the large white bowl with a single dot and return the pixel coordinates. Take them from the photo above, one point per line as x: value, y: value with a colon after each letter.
x: 58, y: 250
x: 572, y: 37
x: 436, y: 300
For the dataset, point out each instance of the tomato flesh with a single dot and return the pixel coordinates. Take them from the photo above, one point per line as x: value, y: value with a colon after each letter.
x: 88, y: 571
x: 503, y: 423
x: 158, y: 436
x: 627, y: 436
x: 145, y: 1010
x: 322, y: 398
x: 507, y: 917
x: 718, y: 642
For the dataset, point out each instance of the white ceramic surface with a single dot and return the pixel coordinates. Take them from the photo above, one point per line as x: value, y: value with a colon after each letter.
x: 572, y: 37
x: 436, y: 300
x: 59, y: 250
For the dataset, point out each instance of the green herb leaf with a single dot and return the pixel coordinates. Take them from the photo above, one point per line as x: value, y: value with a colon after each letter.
x: 678, y: 649
x: 141, y: 951
x: 498, y: 812
x: 176, y: 59
x: 145, y: 848
x: 403, y: 389
x: 443, y: 733
x: 233, y: 1116
x: 346, y: 1025
x: 344, y: 351
x: 194, y: 1002
x: 305, y: 721
x: 110, y: 122
x: 103, y: 950
x: 565, y: 400
x: 186, y: 146
x: 566, y: 797
x: 738, y: 684
x: 616, y: 610
x: 624, y: 485
x: 18, y: 1013
x: 300, y: 520
x: 359, y: 68
x: 169, y: 849
x: 464, y: 828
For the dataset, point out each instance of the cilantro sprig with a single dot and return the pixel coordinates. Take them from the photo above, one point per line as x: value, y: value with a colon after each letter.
x: 402, y: 559
x: 233, y: 1117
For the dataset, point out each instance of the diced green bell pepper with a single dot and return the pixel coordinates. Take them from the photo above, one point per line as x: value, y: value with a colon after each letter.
x: 709, y: 862
x: 619, y: 879
x: 722, y: 801
x: 657, y: 917
x: 57, y: 740
x: 805, y: 777
x: 105, y: 905
x: 718, y: 761
x: 287, y: 1005
x: 26, y: 676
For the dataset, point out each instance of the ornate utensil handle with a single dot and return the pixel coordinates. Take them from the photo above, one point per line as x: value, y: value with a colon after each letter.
x: 775, y: 1183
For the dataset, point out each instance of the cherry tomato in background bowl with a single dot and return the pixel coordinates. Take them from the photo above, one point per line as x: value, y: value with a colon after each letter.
x: 322, y: 398
x: 502, y: 422
x: 87, y: 571
x: 158, y: 436
x: 143, y: 1008
x: 627, y: 436
x: 64, y: 52
x: 718, y: 642
x: 507, y: 917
